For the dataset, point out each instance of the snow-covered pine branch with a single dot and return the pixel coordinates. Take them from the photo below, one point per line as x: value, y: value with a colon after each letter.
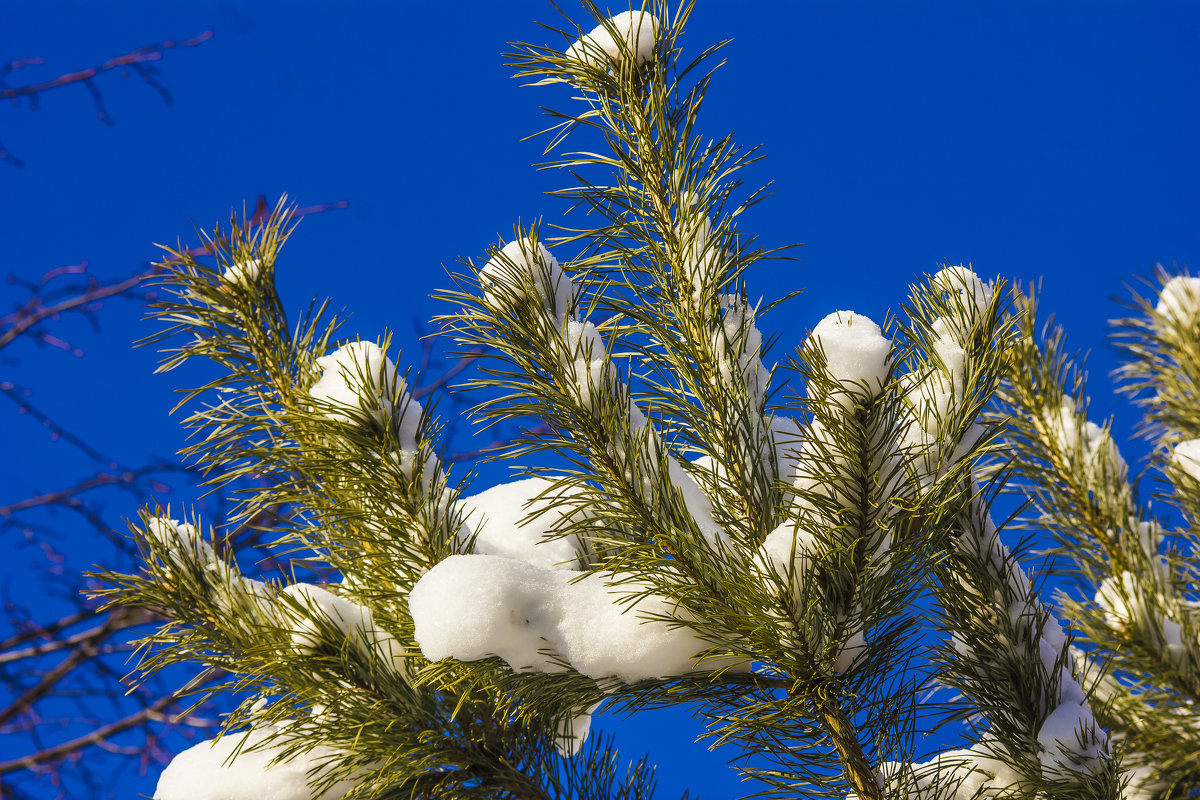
x: 1132, y: 574
x: 793, y: 552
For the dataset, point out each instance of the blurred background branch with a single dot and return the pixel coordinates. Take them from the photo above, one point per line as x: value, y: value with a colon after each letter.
x: 139, y: 62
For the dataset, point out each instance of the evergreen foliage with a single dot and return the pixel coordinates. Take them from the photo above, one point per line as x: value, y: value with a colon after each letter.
x: 797, y: 561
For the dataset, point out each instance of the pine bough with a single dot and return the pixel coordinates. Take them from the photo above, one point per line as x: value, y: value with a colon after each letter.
x: 815, y: 574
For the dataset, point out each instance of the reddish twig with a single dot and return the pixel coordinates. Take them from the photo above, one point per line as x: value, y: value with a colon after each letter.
x: 17, y: 395
x: 41, y: 631
x: 126, y: 478
x: 152, y: 712
x: 114, y: 622
x: 150, y: 52
x: 448, y: 375
x: 137, y: 61
x: 34, y: 312
x: 83, y: 652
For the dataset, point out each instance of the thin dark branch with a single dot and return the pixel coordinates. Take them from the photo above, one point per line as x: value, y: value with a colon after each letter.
x: 150, y: 52
x: 100, y: 480
x: 152, y: 712
x: 137, y: 61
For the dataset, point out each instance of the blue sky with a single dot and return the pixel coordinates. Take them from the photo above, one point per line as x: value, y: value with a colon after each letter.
x: 1051, y: 140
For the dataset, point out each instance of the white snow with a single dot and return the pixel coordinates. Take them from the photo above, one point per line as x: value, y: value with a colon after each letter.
x: 1123, y: 602
x: 1172, y: 635
x: 1097, y: 447
x: 206, y: 771
x: 795, y: 542
x: 856, y: 351
x: 1070, y: 741
x: 948, y: 346
x: 1179, y: 300
x: 737, y: 345
x: 242, y: 273
x: 1118, y: 597
x: 573, y: 732
x: 358, y: 377
x: 788, y: 439
x: 790, y: 543
x: 507, y: 522
x: 702, y: 257
x: 242, y: 598
x: 970, y: 774
x: 356, y: 622
x: 584, y: 357
x: 970, y: 287
x: 176, y: 536
x: 472, y: 607
x: 637, y: 30
x: 535, y: 618
x: 1063, y: 752
x: 793, y: 545
x: 854, y: 647
x: 697, y: 503
x: 1186, y: 456
x: 522, y: 264
x: 1148, y: 536
x: 232, y: 592
x: 989, y: 547
x: 934, y: 396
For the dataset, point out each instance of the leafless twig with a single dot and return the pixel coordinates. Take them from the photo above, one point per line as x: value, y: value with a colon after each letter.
x: 138, y: 61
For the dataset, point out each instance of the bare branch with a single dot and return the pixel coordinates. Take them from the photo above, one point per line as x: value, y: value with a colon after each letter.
x: 137, y: 61
x: 151, y: 713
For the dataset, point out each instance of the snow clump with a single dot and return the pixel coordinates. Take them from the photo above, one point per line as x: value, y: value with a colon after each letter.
x: 856, y: 351
x: 539, y: 619
x: 1069, y: 738
x: 970, y: 774
x: 791, y: 544
x: 1125, y: 605
x: 696, y: 502
x: 573, y: 732
x: 243, y: 273
x: 231, y: 590
x: 702, y: 256
x: 970, y: 287
x: 1119, y: 598
x: 212, y: 771
x: 581, y: 352
x: 788, y: 439
x: 636, y: 32
x: 738, y: 344
x: 934, y: 397
x: 1179, y: 300
x: 175, y: 536
x: 356, y: 623
x: 517, y: 520
x: 584, y: 357
x: 357, y: 378
x: 523, y: 264
x: 1095, y: 444
x: 1070, y: 741
x: 1186, y: 457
